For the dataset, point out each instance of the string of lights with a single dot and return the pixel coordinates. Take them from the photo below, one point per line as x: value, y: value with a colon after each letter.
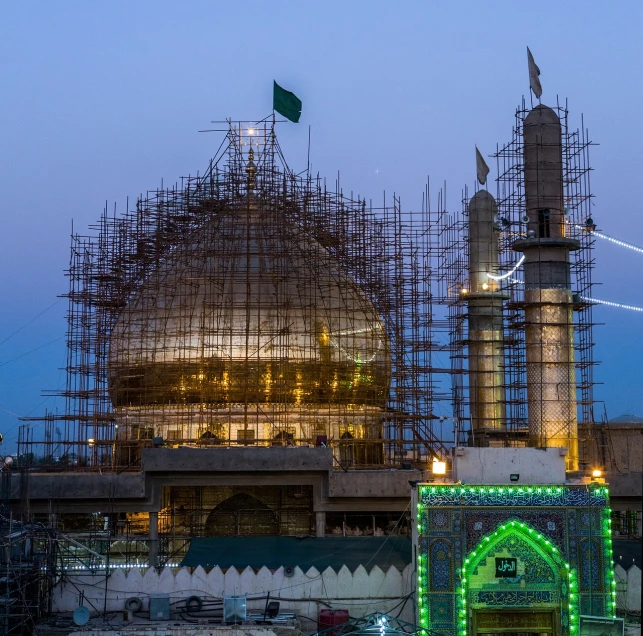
x: 595, y: 301
x: 509, y: 273
x: 609, y: 303
x: 611, y: 239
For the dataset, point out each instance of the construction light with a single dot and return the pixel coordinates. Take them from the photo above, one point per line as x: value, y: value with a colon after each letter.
x: 485, y: 286
x: 439, y: 468
x: 597, y: 474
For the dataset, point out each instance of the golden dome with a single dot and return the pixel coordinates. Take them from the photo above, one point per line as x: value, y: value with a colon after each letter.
x: 249, y: 309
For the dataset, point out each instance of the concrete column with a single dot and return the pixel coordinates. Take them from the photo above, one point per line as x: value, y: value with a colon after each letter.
x: 154, y: 539
x: 320, y: 524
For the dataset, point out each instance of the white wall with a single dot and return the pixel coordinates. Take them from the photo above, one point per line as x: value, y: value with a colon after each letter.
x: 628, y: 589
x: 489, y: 465
x: 360, y: 592
x: 305, y: 593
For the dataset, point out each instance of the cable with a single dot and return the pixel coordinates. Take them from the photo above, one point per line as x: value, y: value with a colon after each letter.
x: 32, y: 351
x: 44, y: 311
x: 398, y: 523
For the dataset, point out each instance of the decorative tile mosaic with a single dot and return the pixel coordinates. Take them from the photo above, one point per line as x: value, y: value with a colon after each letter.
x: 481, y: 521
x: 516, y: 496
x: 442, y: 610
x: 441, y: 568
x: 455, y: 522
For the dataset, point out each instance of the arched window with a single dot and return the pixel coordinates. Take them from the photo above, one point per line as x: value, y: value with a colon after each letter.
x: 240, y: 515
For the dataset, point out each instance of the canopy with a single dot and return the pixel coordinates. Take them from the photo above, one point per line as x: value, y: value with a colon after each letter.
x: 274, y: 552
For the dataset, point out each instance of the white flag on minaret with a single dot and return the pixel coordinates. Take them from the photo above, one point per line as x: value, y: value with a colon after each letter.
x: 534, y: 75
x: 481, y: 167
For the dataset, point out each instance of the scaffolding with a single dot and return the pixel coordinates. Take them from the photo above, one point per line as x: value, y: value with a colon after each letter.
x: 452, y: 279
x: 248, y: 306
x: 28, y: 553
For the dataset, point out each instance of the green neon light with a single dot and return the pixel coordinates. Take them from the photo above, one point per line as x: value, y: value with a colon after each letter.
x: 470, y: 563
x: 423, y: 607
x: 608, y: 559
x: 459, y: 489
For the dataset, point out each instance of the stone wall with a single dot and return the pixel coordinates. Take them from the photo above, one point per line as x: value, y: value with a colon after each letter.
x: 304, y: 593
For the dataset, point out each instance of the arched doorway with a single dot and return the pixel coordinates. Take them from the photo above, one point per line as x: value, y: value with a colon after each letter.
x: 241, y: 515
x: 346, y: 450
x: 515, y: 581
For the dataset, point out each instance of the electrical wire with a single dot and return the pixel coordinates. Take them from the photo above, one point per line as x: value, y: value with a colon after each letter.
x: 32, y: 351
x: 17, y: 331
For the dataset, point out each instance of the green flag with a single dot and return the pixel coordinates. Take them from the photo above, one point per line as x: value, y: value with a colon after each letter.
x: 286, y: 103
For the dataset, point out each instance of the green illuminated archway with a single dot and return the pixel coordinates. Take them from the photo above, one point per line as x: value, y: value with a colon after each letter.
x: 543, y: 546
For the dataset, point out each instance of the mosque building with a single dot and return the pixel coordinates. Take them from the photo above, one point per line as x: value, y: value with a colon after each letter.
x: 254, y: 361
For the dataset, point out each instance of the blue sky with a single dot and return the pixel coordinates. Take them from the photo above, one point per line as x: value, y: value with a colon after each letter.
x: 102, y: 100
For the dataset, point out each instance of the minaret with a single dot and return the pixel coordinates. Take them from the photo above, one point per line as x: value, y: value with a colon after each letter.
x: 485, y: 339
x: 551, y: 380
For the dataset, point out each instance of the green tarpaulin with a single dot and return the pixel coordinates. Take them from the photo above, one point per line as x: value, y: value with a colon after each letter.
x: 286, y: 103
x: 273, y: 552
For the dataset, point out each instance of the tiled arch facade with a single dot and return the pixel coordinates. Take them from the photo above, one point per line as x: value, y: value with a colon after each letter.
x: 559, y: 535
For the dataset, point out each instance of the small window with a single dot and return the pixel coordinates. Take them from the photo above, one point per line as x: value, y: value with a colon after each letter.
x: 543, y: 224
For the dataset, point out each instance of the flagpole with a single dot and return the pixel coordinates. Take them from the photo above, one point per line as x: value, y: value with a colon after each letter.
x: 308, y: 163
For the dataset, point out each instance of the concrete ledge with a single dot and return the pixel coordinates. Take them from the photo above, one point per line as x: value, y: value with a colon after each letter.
x: 373, y: 483
x: 80, y: 486
x: 521, y: 245
x: 625, y: 484
x: 244, y: 459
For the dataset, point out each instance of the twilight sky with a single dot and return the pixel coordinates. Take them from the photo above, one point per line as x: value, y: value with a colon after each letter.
x: 104, y: 99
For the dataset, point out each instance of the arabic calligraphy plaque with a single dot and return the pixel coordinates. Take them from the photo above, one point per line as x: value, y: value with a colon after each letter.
x: 502, y: 621
x: 506, y: 567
